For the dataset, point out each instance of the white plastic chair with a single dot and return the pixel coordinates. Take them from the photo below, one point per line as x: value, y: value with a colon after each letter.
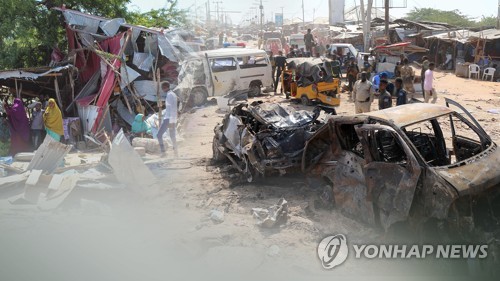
x: 490, y: 71
x: 474, y: 69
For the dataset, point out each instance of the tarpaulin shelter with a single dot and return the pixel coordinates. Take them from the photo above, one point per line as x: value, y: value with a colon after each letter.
x: 112, y: 54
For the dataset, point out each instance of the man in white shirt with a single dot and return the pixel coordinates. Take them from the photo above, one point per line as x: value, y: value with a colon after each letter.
x: 362, y: 94
x: 429, y: 90
x: 169, y: 120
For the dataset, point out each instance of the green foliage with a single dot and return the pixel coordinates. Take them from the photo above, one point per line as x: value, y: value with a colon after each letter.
x: 453, y: 17
x: 169, y: 16
x: 29, y: 29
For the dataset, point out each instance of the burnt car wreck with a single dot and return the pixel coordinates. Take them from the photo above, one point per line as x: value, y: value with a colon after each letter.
x: 414, y: 164
x: 263, y: 138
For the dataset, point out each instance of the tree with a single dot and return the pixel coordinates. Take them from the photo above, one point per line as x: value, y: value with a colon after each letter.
x: 169, y: 16
x: 454, y: 17
x: 487, y: 21
x: 29, y: 29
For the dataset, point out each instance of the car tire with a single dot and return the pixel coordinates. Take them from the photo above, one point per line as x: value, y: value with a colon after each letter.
x: 304, y: 100
x: 254, y: 90
x: 198, y: 97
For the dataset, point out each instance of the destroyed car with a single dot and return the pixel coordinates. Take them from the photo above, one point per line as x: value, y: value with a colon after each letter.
x: 262, y: 138
x: 415, y: 164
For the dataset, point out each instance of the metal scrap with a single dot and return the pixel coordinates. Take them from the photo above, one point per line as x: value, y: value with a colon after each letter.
x: 273, y: 216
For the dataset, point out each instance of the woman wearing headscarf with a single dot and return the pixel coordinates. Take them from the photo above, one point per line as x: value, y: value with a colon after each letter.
x: 19, y: 127
x: 139, y: 126
x: 52, y: 119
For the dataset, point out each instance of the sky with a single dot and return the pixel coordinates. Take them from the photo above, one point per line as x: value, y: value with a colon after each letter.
x: 316, y: 8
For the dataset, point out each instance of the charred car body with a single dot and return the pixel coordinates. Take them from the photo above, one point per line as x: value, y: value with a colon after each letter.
x: 416, y: 164
x: 263, y: 138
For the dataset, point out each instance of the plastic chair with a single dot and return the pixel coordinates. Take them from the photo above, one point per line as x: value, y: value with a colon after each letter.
x: 474, y: 69
x: 490, y: 71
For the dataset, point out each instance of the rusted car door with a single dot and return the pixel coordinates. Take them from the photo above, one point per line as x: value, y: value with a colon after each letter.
x: 391, y: 173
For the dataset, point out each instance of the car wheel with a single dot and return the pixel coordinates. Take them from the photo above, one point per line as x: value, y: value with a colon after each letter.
x: 198, y: 96
x: 255, y: 90
x: 217, y: 155
x: 305, y: 101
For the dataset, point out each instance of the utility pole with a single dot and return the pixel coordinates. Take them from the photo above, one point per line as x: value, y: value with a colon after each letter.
x: 314, y: 12
x: 261, y: 7
x: 387, y: 18
x: 303, y: 14
x: 283, y: 16
x: 498, y: 15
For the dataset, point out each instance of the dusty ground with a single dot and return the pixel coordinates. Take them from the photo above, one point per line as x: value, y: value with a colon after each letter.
x: 105, y: 231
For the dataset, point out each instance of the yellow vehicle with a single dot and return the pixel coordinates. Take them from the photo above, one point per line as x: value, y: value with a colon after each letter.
x: 311, y: 80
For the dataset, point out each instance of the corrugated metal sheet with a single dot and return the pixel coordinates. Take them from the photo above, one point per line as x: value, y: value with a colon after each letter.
x: 29, y: 75
x: 461, y: 35
x: 128, y: 75
x: 143, y: 61
x: 128, y: 166
x: 110, y: 27
x: 146, y: 89
x: 488, y: 34
x: 49, y: 155
x: 90, y: 88
x: 88, y: 115
x: 167, y: 49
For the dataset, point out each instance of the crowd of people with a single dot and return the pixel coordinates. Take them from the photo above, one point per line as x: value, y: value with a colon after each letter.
x: 29, y: 125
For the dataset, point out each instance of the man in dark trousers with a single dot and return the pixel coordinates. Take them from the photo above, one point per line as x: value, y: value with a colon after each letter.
x: 385, y: 98
x: 400, y: 93
x: 279, y: 62
x: 352, y: 74
x: 309, y: 42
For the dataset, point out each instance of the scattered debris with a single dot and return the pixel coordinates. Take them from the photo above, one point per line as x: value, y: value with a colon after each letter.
x: 150, y: 145
x: 24, y: 156
x: 494, y: 111
x: 217, y: 216
x: 273, y: 216
x: 273, y: 251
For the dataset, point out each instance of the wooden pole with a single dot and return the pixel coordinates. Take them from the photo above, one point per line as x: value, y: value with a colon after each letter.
x: 58, y: 94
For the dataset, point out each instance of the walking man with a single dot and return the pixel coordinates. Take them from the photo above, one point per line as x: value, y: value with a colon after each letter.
x: 429, y: 90
x: 352, y: 74
x: 425, y: 66
x: 362, y: 94
x: 169, y: 120
x: 279, y: 62
x: 37, y: 125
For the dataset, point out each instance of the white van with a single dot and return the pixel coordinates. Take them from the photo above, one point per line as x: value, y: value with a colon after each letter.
x: 298, y: 39
x: 218, y: 72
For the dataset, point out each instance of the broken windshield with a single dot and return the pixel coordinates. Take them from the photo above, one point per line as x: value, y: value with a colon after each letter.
x: 446, y: 140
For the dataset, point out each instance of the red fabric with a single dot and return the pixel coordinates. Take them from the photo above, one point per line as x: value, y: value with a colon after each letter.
x: 87, y: 62
x: 112, y: 46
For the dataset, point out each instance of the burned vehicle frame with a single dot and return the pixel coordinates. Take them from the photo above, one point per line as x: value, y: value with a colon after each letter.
x: 264, y: 138
x: 410, y: 165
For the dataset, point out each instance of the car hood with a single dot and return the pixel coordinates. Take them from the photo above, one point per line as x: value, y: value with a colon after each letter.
x: 477, y: 175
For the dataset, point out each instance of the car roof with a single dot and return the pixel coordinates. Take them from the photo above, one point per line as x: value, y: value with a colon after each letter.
x: 233, y: 52
x: 408, y: 114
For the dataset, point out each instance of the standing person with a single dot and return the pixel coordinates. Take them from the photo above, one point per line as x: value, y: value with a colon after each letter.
x: 169, y: 120
x: 367, y: 66
x: 401, y: 97
x: 362, y: 94
x: 309, y: 42
x: 273, y: 66
x: 352, y: 75
x: 280, y: 62
x: 37, y: 124
x: 19, y: 126
x: 385, y: 98
x: 425, y: 66
x: 52, y: 119
x: 408, y: 76
x: 429, y: 90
